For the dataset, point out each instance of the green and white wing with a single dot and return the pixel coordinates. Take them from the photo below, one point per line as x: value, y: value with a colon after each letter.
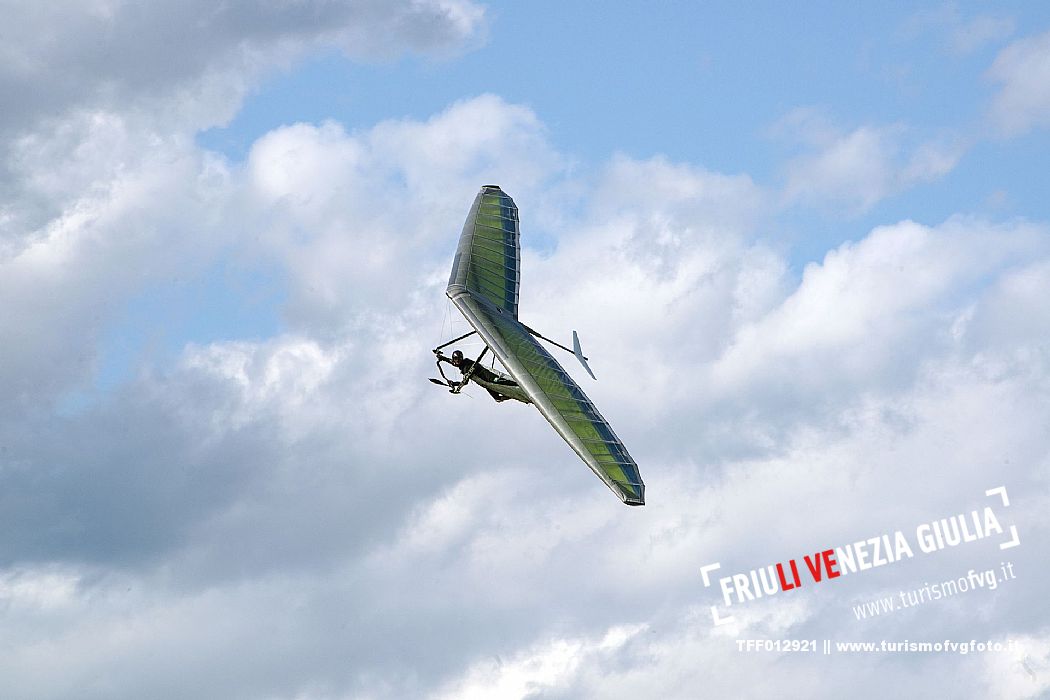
x: 484, y: 287
x: 488, y: 258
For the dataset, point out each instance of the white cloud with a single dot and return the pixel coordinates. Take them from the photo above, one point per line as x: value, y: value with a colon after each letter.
x: 302, y: 515
x: 855, y: 170
x: 869, y: 306
x: 103, y: 191
x: 1022, y: 673
x: 537, y: 669
x: 41, y: 590
x: 113, y: 216
x: 329, y: 556
x: 117, y: 56
x: 354, y: 216
x: 1022, y: 70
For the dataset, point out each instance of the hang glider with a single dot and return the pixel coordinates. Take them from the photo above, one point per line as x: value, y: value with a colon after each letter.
x: 484, y: 286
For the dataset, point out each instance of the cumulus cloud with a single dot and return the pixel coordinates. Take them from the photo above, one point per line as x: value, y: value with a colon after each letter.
x: 301, y: 515
x: 112, y: 219
x: 862, y: 296
x: 332, y: 557
x: 1022, y: 674
x: 268, y: 485
x: 355, y: 215
x: 539, y: 669
x: 87, y: 73
x: 855, y: 170
x: 1022, y: 71
x: 103, y: 190
x: 114, y: 55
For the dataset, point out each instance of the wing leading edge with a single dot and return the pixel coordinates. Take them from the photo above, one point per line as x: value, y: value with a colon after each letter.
x: 484, y: 287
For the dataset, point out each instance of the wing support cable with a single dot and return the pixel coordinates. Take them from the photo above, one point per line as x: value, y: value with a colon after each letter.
x: 575, y: 350
x: 454, y: 340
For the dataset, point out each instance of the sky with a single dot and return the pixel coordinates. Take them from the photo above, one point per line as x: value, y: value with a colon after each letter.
x: 807, y: 252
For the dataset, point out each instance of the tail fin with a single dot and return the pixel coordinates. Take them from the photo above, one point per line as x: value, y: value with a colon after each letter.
x: 578, y: 352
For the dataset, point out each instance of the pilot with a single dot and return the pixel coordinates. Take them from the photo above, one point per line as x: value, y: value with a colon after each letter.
x: 471, y: 369
x: 465, y: 364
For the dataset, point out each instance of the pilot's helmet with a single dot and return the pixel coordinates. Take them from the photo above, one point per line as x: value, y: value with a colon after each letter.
x: 457, y: 358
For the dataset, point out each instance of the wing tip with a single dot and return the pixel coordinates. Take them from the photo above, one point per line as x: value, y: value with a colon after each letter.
x: 632, y: 499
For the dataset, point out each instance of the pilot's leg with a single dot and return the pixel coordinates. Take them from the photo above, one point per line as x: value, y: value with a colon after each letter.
x: 496, y: 395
